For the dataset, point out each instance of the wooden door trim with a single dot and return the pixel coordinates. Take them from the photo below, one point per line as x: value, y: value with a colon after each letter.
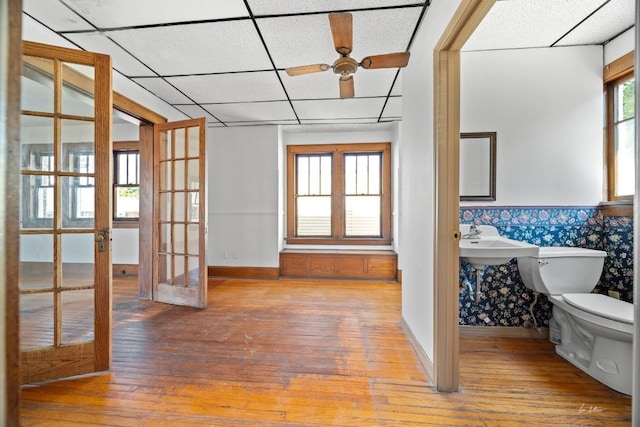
x: 103, y: 217
x: 446, y: 64
x: 10, y: 64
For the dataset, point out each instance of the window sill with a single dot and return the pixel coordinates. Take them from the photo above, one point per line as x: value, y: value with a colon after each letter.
x: 338, y: 242
x: 617, y: 208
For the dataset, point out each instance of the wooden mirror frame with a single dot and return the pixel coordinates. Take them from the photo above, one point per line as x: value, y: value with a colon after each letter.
x: 491, y: 195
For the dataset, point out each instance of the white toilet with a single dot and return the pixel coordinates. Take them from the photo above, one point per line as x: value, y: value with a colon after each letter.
x: 592, y: 331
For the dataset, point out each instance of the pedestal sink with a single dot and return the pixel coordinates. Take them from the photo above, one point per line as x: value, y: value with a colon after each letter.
x: 489, y: 248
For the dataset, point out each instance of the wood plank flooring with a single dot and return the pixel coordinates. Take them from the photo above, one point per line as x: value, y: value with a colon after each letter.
x: 309, y: 353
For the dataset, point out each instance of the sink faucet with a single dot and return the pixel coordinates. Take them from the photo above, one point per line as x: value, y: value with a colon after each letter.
x: 473, y: 233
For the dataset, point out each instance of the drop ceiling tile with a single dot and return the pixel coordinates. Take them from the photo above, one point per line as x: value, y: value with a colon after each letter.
x: 126, y: 13
x: 341, y: 121
x: 35, y: 32
x: 197, y: 48
x: 280, y: 7
x: 121, y: 60
x: 524, y: 23
x: 195, y: 111
x: 55, y: 15
x: 236, y: 87
x: 262, y: 123
x: 254, y: 111
x: 303, y: 40
x: 393, y: 108
x: 604, y: 24
x: 354, y: 108
x: 367, y: 83
x: 163, y: 90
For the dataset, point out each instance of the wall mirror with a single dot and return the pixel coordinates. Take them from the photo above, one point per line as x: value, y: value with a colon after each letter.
x: 478, y: 166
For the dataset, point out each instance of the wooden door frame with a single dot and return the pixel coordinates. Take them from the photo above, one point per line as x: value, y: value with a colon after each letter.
x: 446, y: 66
x: 10, y: 71
x: 148, y: 118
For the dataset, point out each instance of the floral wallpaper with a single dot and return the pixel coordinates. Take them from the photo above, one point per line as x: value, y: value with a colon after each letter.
x: 505, y: 301
x: 618, y: 265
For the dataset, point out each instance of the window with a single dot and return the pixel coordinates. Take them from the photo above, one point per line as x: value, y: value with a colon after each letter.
x: 620, y: 135
x: 339, y: 194
x: 126, y: 185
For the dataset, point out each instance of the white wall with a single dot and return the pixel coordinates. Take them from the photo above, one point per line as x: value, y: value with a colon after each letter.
x: 546, y: 107
x: 243, y: 196
x: 417, y: 177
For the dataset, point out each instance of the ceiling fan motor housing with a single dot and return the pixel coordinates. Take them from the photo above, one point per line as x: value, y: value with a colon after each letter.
x: 345, y: 65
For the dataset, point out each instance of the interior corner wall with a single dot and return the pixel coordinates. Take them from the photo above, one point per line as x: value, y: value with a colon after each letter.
x: 546, y: 107
x: 417, y: 178
x: 243, y: 196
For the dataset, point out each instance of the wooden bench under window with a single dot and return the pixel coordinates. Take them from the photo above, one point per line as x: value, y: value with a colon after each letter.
x: 339, y: 264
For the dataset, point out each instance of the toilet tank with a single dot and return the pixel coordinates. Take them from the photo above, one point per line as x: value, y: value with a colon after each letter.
x: 560, y: 270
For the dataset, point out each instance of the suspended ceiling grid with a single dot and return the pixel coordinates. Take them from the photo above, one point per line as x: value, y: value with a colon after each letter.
x: 225, y: 60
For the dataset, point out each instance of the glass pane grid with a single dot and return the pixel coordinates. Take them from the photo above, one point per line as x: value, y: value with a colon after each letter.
x: 362, y: 174
x: 313, y: 175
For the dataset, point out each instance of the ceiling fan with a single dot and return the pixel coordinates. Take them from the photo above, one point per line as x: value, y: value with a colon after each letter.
x: 345, y: 66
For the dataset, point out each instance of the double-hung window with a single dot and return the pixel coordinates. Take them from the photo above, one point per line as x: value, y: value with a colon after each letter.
x: 339, y: 194
x: 126, y: 185
x: 620, y: 135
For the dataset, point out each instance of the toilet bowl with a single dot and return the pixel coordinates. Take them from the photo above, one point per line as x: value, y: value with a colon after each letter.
x: 592, y: 331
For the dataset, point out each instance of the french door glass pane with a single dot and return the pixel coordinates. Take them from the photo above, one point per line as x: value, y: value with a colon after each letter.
x: 193, y: 149
x: 78, y: 203
x: 178, y: 239
x: 36, y: 261
x: 77, y: 307
x: 193, y: 174
x: 179, y: 144
x: 36, y: 320
x: 178, y: 180
x: 166, y: 201
x: 179, y: 207
x: 78, y: 259
x: 77, y: 90
x: 166, y: 181
x: 36, y: 93
x: 193, y: 237
x: 193, y: 265
x: 36, y: 139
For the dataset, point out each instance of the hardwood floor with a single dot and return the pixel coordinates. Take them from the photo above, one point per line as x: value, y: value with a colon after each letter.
x: 309, y: 353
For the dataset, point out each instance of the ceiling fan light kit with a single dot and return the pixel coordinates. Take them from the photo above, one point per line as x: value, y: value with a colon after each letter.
x: 342, y: 31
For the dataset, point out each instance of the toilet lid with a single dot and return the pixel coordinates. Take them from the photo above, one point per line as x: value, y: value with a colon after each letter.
x: 602, y: 305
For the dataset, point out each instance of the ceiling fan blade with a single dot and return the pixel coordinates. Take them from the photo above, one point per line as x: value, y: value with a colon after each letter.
x: 307, y: 69
x: 346, y: 87
x: 342, y: 31
x: 390, y: 60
